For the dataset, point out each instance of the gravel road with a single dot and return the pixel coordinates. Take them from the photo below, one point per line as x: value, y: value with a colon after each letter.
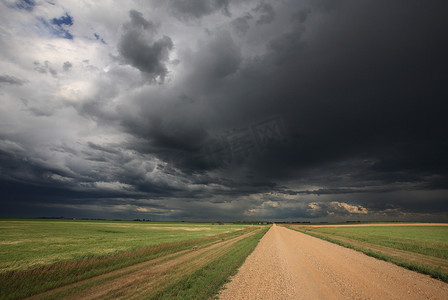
x: 291, y: 265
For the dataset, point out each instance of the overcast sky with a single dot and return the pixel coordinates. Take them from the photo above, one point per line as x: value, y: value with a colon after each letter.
x: 306, y: 110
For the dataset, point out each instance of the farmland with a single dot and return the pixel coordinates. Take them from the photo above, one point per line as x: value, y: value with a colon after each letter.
x: 419, y: 247
x: 57, y: 258
x: 77, y: 259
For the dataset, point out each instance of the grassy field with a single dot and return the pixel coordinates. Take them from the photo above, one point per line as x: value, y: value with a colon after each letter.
x: 431, y: 234
x: 56, y: 258
x: 420, y: 248
x: 26, y: 244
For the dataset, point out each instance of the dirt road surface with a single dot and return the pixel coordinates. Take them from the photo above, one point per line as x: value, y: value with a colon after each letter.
x: 291, y: 265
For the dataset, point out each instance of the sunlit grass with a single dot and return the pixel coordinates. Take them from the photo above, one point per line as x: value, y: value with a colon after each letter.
x: 427, y: 240
x: 26, y: 244
x: 436, y: 234
x: 22, y: 283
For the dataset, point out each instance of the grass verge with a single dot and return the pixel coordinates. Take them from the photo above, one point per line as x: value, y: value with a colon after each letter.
x: 435, y: 273
x: 206, y: 282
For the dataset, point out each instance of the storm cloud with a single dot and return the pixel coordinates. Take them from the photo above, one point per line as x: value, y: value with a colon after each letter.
x: 225, y: 110
x: 138, y: 47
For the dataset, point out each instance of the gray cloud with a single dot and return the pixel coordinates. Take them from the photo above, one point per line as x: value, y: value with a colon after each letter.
x: 67, y: 66
x: 302, y: 15
x: 139, y: 48
x: 11, y: 80
x: 138, y: 22
x: 199, y: 8
x: 241, y: 24
x: 45, y: 68
x: 357, y: 86
x: 219, y: 57
x: 267, y: 13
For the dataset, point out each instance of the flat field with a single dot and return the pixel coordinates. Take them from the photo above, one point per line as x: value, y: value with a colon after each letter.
x: 75, y: 258
x: 30, y: 243
x: 419, y: 247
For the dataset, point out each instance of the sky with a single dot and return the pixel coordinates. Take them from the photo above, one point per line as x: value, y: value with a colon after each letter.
x: 206, y: 110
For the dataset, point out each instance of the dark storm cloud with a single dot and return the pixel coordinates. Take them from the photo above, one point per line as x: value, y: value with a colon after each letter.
x: 341, y: 95
x: 267, y: 13
x: 28, y: 180
x: 138, y: 22
x: 241, y: 24
x: 327, y: 110
x: 369, y: 86
x: 302, y: 15
x: 217, y: 58
x: 139, y: 48
x: 358, y: 89
x: 175, y: 124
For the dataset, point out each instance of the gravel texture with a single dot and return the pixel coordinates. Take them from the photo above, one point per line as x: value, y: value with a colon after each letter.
x: 291, y: 265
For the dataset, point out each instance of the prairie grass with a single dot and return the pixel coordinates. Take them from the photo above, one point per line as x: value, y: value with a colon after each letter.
x: 21, y: 283
x: 432, y: 234
x: 27, y: 244
x: 427, y: 240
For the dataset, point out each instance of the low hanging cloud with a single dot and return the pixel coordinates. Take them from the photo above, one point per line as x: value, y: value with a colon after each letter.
x: 335, y: 208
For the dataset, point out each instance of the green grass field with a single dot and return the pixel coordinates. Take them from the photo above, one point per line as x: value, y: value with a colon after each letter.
x: 426, y: 240
x: 420, y: 248
x: 432, y: 234
x: 57, y: 258
x: 26, y: 244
